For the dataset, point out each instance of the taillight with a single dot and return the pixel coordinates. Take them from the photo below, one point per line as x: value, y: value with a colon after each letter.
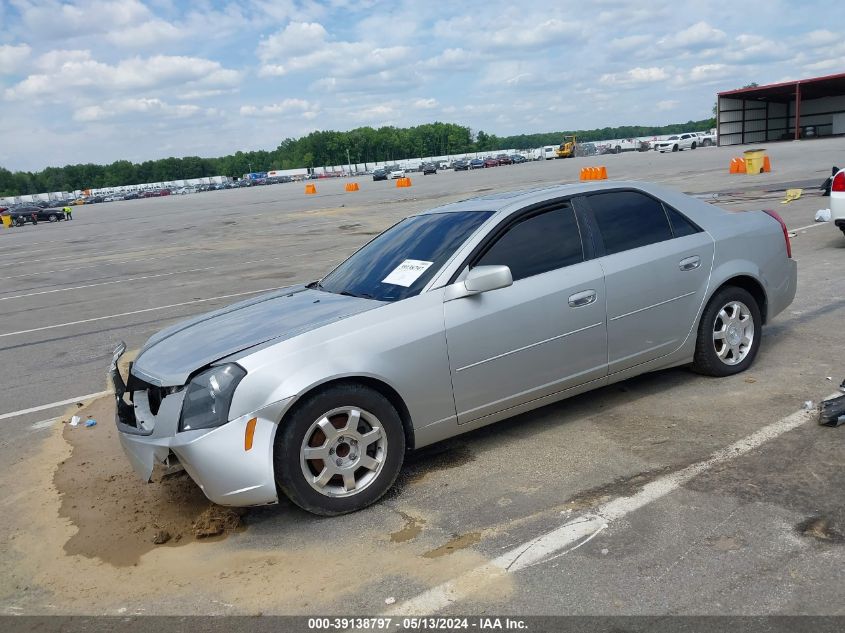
x: 838, y: 183
x: 775, y: 215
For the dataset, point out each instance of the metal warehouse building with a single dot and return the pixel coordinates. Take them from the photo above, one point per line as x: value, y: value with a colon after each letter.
x: 793, y: 110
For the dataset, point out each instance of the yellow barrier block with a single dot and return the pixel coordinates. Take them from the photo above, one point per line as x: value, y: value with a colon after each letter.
x: 310, y: 189
x: 7, y: 220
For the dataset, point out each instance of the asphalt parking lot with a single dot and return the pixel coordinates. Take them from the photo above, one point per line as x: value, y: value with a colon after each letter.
x: 760, y: 530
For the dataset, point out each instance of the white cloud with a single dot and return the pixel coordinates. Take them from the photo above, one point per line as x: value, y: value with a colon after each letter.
x: 636, y: 75
x: 12, y: 57
x: 709, y: 72
x: 79, y: 71
x: 302, y: 46
x: 286, y: 106
x: 699, y: 35
x: 425, y: 104
x: 667, y: 104
x: 123, y: 23
x: 134, y: 107
x: 452, y: 59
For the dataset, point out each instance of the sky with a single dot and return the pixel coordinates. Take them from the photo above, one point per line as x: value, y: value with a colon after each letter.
x: 98, y: 81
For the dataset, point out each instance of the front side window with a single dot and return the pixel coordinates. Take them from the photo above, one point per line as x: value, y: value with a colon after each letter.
x: 628, y: 219
x: 401, y: 261
x: 537, y: 244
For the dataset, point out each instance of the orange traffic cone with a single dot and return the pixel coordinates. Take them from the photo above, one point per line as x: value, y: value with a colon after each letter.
x: 603, y: 173
x: 352, y: 186
x: 733, y: 168
x: 310, y: 189
x: 767, y: 165
x: 740, y: 163
x: 583, y: 173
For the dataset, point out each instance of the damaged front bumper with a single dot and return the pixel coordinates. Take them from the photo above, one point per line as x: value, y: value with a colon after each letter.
x: 229, y: 470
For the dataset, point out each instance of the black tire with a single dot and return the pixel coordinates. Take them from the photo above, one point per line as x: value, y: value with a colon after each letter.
x: 693, y: 145
x: 290, y: 437
x: 53, y: 218
x: 618, y: 150
x: 19, y: 221
x: 706, y: 360
x: 674, y: 148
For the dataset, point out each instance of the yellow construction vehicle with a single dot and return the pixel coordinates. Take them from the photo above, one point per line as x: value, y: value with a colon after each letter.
x: 567, y: 148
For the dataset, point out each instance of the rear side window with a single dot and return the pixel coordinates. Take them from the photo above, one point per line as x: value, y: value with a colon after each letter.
x: 627, y: 219
x: 680, y: 225
x: 537, y: 244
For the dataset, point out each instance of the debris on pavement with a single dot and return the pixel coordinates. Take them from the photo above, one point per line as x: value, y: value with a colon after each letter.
x: 823, y: 215
x: 90, y: 422
x: 792, y: 194
x: 161, y: 537
x: 75, y: 420
x: 216, y: 521
x: 808, y: 405
x: 832, y: 411
x: 389, y: 600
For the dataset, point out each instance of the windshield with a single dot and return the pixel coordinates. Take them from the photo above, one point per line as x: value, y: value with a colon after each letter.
x: 401, y: 261
x: 672, y: 138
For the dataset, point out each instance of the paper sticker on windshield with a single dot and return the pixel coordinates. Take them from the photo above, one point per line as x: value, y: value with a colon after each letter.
x: 407, y: 272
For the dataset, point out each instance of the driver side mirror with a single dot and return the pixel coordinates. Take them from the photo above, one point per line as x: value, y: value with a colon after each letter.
x: 480, y: 279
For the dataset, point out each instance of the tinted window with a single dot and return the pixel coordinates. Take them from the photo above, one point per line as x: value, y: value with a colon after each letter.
x: 628, y: 219
x: 429, y: 240
x: 680, y: 225
x: 537, y: 244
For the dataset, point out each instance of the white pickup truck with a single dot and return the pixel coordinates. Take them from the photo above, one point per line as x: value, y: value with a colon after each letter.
x: 706, y: 139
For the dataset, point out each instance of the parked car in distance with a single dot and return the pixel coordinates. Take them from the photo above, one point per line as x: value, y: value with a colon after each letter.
x: 476, y: 163
x: 837, y: 199
x: 504, y: 159
x: 380, y: 174
x: 24, y: 214
x: 115, y: 197
x: 491, y: 162
x: 518, y: 158
x: 307, y: 391
x: 460, y: 165
x: 428, y: 168
x: 397, y: 173
x: 677, y: 143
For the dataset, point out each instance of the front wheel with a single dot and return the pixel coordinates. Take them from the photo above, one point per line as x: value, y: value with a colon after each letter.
x: 340, y: 450
x: 728, y: 334
x: 53, y: 218
x: 674, y: 148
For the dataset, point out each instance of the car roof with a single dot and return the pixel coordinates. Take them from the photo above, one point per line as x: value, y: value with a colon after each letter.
x: 500, y: 200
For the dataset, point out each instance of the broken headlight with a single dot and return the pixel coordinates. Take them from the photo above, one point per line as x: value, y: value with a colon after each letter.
x: 208, y: 396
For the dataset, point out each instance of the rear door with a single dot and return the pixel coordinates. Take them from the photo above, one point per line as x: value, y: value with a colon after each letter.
x: 542, y: 335
x: 657, y: 266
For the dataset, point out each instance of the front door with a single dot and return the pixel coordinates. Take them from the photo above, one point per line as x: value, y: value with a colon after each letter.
x: 544, y: 334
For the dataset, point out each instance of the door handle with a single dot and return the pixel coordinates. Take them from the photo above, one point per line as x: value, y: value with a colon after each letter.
x: 582, y: 298
x: 690, y: 263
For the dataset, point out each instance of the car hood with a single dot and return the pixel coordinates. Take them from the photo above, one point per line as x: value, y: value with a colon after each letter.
x: 171, y: 356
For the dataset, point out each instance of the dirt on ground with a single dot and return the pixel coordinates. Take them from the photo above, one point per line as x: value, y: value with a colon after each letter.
x: 119, y: 517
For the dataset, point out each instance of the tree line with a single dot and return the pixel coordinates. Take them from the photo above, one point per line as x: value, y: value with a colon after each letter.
x: 317, y: 149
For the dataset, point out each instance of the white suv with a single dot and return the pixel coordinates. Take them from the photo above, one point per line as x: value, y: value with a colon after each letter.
x: 677, y: 143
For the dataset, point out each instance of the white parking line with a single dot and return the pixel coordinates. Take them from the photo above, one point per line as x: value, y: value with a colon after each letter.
x: 809, y: 226
x: 566, y: 538
x: 44, y: 424
x: 120, y: 281
x: 53, y: 405
x: 123, y: 314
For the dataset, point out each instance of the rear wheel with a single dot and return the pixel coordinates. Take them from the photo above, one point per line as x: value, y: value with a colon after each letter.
x: 53, y: 218
x: 693, y: 145
x: 340, y: 450
x: 728, y: 334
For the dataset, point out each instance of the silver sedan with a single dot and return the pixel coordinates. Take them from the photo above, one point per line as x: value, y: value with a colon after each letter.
x: 450, y: 320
